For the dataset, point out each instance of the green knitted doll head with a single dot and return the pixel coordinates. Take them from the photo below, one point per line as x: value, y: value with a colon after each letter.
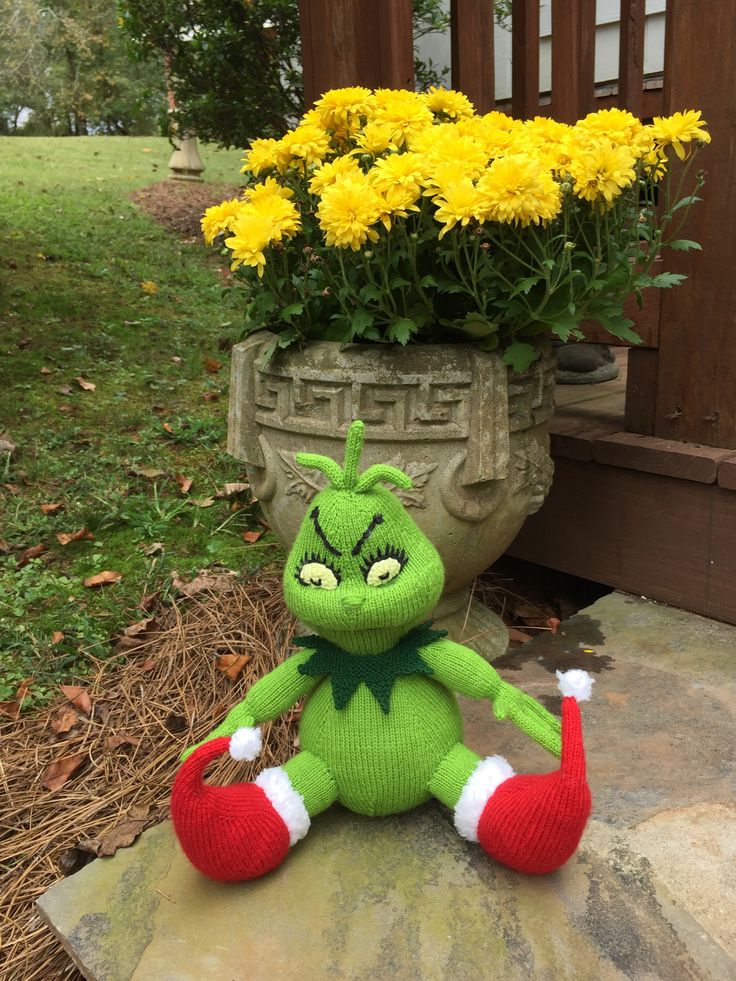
x: 359, y: 562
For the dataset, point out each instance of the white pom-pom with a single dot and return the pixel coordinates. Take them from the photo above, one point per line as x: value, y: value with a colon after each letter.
x: 245, y: 743
x: 577, y: 683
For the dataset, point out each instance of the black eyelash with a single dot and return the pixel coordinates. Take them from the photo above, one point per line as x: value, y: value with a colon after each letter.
x: 384, y: 552
x: 313, y: 557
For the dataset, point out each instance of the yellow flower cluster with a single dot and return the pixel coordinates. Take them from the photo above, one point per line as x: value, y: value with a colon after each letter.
x: 362, y: 159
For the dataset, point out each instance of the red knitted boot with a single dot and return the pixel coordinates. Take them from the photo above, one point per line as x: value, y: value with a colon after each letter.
x: 236, y: 832
x: 534, y: 823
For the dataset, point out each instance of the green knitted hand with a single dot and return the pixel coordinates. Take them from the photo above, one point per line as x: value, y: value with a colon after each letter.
x: 235, y: 719
x: 531, y: 717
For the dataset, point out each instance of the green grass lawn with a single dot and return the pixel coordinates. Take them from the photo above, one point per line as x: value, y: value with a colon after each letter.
x: 73, y: 255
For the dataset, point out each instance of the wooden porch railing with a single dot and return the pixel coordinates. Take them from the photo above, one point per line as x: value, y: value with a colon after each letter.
x: 682, y: 381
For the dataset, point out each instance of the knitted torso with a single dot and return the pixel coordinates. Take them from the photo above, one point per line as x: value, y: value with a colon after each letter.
x: 381, y: 760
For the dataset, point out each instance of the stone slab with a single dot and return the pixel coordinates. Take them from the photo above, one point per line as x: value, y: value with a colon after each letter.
x: 649, y: 895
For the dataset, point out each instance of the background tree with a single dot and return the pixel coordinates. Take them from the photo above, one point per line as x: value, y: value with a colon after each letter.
x: 236, y: 64
x: 65, y: 70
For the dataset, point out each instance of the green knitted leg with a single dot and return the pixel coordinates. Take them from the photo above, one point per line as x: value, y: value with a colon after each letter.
x: 452, y: 774
x: 312, y: 779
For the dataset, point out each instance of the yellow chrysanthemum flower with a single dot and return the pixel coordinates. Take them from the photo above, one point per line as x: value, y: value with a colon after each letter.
x: 521, y: 190
x: 680, y: 128
x: 266, y: 189
x: 449, y: 102
x: 617, y: 125
x: 328, y: 173
x: 494, y: 139
x: 404, y: 111
x: 340, y: 110
x: 347, y: 210
x: 458, y: 202
x: 251, y: 233
x: 399, y: 170
x: 262, y: 155
x: 375, y: 138
x: 449, y: 145
x: 219, y: 218
x: 601, y: 172
x: 397, y: 203
x: 280, y: 211
x: 301, y: 147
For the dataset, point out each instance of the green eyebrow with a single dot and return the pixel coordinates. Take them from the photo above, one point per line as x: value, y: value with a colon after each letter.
x: 321, y: 535
x: 377, y: 520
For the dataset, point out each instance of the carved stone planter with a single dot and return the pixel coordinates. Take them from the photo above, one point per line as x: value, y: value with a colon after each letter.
x: 471, y: 434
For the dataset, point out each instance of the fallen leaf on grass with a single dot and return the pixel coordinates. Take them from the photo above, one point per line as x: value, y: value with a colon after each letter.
x: 232, y: 665
x: 122, y: 739
x: 148, y: 286
x: 45, y: 370
x: 78, y: 697
x: 58, y: 773
x: 30, y: 553
x: 151, y: 473
x: 210, y: 396
x: 518, y: 635
x: 6, y: 444
x: 83, y: 535
x: 154, y: 548
x: 122, y: 835
x: 203, y: 502
x: 84, y: 384
x: 64, y: 390
x: 251, y: 536
x: 137, y: 634
x: 148, y: 601
x: 65, y: 408
x: 176, y: 360
x: 204, y: 582
x: 64, y: 719
x: 212, y: 365
x: 52, y: 508
x: 235, y: 488
x: 168, y: 427
x: 106, y: 578
x: 12, y: 708
x: 57, y: 636
x: 184, y: 482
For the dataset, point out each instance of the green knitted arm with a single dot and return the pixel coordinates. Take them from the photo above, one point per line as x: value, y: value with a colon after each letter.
x: 269, y: 697
x: 462, y: 670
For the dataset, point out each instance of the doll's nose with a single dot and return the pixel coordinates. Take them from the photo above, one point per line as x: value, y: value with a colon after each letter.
x: 353, y: 600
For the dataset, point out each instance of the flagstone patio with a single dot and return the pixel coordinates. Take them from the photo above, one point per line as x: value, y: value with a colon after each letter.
x: 650, y: 893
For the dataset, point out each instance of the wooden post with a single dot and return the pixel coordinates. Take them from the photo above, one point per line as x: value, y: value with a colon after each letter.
x: 525, y: 58
x: 696, y: 375
x: 473, y: 65
x: 351, y: 42
x: 631, y: 56
x: 573, y: 59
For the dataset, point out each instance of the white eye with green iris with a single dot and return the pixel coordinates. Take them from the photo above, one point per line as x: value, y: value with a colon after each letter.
x: 319, y: 575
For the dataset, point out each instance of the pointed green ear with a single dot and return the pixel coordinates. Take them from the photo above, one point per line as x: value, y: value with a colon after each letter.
x: 346, y: 477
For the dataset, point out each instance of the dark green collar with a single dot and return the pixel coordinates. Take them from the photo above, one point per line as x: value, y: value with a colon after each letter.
x: 377, y: 671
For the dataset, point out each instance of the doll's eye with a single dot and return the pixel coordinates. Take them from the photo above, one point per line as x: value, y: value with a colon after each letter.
x: 319, y: 575
x: 384, y: 566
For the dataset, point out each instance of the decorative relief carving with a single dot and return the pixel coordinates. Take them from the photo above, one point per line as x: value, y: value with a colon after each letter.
x: 533, y: 472
x: 306, y: 484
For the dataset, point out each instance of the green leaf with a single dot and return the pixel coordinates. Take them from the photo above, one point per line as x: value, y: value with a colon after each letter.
x: 667, y: 280
x: 525, y: 285
x: 395, y: 282
x: 618, y: 325
x: 370, y: 292
x: 684, y: 245
x: 476, y: 326
x: 520, y: 355
x: 428, y: 280
x: 362, y: 320
x: 683, y: 202
x: 293, y: 310
x: 401, y: 330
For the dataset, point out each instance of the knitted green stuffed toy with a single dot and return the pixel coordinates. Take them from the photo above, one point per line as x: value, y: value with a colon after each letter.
x: 380, y: 729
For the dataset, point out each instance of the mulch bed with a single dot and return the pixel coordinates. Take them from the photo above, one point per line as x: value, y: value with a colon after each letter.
x: 179, y: 205
x: 113, y: 766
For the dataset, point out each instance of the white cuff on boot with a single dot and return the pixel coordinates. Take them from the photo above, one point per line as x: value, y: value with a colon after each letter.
x: 287, y: 802
x: 482, y: 784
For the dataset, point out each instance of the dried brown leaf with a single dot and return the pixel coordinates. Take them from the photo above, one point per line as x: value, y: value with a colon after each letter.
x: 210, y: 396
x: 184, y: 482
x: 30, y: 553
x: 122, y: 739
x: 137, y: 634
x: 232, y: 665
x: 205, y: 582
x: 203, y: 502
x: 212, y: 365
x: 84, y: 384
x: 78, y: 697
x: 235, y: 488
x: 106, y: 578
x: 52, y: 508
x: 252, y: 536
x: 45, y: 370
x: 168, y: 427
x: 6, y: 444
x: 60, y: 771
x: 83, y: 535
x: 125, y: 833
x: 153, y: 548
x: 64, y: 719
x: 151, y: 473
x: 57, y: 636
x: 11, y: 709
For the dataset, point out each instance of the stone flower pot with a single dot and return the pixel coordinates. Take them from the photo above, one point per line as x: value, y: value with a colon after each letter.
x: 471, y: 434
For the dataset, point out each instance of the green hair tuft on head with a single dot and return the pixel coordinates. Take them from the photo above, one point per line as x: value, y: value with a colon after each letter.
x: 346, y: 477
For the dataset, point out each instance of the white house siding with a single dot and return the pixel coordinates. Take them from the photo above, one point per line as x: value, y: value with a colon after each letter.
x: 437, y: 46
